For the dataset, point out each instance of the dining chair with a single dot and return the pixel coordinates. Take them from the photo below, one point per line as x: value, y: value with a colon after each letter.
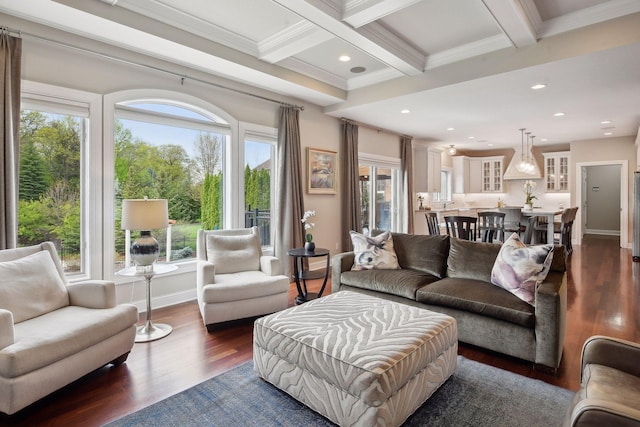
x: 462, y: 227
x: 432, y: 223
x: 564, y: 228
x: 512, y: 219
x: 528, y: 231
x: 491, y: 226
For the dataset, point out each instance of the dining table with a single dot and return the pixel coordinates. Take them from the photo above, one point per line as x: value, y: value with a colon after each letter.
x: 548, y: 213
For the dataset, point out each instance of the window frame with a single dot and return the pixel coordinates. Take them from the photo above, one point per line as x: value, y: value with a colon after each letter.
x: 112, y: 101
x: 377, y: 161
x: 72, y: 101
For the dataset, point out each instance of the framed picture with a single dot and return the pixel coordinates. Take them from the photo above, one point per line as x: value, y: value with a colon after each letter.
x: 322, y: 167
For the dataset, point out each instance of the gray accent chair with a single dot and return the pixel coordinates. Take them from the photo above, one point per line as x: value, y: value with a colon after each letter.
x: 609, y: 392
x: 234, y: 279
x: 53, y: 332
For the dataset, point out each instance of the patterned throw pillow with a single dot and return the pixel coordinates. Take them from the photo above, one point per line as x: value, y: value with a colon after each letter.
x: 374, y: 252
x: 520, y: 268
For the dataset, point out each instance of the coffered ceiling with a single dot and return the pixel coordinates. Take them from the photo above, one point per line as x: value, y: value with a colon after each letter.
x: 462, y: 64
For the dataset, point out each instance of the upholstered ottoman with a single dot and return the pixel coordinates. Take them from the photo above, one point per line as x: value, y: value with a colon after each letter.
x: 356, y: 359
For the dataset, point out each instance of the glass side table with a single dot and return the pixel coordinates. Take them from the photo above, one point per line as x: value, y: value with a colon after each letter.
x: 300, y: 274
x: 150, y: 331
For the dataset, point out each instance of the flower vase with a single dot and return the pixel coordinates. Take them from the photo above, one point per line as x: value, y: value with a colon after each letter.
x: 528, y: 206
x: 309, y: 246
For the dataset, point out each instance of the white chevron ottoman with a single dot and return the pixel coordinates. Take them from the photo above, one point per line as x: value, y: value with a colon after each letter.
x: 356, y: 359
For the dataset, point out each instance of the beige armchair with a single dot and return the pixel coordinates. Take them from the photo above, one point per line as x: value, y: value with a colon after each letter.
x: 234, y: 280
x: 609, y: 392
x: 53, y: 332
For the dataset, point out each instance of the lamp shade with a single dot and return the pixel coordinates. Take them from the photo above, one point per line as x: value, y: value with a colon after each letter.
x: 144, y: 214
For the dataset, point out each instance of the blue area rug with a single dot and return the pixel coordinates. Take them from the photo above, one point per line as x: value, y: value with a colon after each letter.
x: 476, y: 395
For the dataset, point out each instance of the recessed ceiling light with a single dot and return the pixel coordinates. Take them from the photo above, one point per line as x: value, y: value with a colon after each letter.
x: 405, y: 111
x: 543, y: 139
x: 490, y: 144
x: 538, y: 86
x: 344, y: 58
x: 608, y: 133
x: 470, y: 137
x: 605, y: 122
x: 559, y: 114
x: 451, y: 128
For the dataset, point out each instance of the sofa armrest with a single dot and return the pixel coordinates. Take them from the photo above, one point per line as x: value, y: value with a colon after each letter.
x: 92, y: 294
x: 6, y: 328
x: 613, y: 352
x: 205, y: 273
x: 551, y: 316
x: 339, y: 264
x: 597, y: 412
x: 270, y: 265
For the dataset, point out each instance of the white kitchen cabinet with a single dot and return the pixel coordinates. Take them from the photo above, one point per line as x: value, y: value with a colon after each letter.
x: 477, y: 174
x: 492, y: 174
x: 427, y: 166
x: 556, y: 171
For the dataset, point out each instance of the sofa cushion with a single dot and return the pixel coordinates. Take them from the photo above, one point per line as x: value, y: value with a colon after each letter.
x: 244, y: 285
x: 520, y: 268
x: 471, y: 260
x: 423, y: 253
x: 31, y: 286
x: 477, y: 296
x: 373, y: 252
x: 231, y: 254
x: 61, y: 333
x: 402, y: 282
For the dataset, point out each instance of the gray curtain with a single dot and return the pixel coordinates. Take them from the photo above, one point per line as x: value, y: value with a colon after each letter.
x: 350, y: 193
x: 10, y: 55
x: 290, y: 204
x: 406, y: 170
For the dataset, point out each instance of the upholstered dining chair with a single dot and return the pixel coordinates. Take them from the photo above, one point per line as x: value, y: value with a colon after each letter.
x: 432, y: 223
x: 512, y: 219
x: 462, y: 227
x: 234, y: 279
x: 609, y: 384
x: 564, y: 228
x: 491, y: 226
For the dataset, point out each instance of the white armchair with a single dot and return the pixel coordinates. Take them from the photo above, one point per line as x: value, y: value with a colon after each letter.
x: 53, y: 332
x: 234, y: 279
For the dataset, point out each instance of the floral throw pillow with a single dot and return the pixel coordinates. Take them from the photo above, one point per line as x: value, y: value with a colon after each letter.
x: 520, y: 268
x: 374, y: 252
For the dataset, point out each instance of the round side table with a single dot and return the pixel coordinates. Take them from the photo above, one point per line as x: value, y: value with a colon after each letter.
x: 150, y: 331
x: 300, y: 274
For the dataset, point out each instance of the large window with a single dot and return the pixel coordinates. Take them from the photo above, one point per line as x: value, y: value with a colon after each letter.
x: 169, y: 151
x: 379, y: 193
x: 50, y: 181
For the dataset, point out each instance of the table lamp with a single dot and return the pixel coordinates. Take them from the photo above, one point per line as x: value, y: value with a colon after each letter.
x: 144, y: 215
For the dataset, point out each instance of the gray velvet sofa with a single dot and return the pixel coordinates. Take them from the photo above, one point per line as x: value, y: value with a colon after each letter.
x: 453, y: 276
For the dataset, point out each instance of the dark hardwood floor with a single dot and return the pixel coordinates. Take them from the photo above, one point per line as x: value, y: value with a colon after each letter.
x: 604, y: 291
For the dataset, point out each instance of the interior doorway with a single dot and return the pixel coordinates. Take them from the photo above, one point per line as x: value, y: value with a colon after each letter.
x: 602, y: 195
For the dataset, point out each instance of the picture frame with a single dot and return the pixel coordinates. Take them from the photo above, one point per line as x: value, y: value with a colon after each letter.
x: 322, y: 168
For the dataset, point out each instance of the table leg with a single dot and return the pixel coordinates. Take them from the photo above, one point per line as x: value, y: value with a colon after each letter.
x: 326, y: 276
x: 150, y: 331
x: 302, y: 295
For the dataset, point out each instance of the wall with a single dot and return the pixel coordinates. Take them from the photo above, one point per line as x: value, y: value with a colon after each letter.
x: 600, y: 151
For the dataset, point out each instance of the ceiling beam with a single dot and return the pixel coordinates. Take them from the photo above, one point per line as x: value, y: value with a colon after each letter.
x: 373, y: 39
x: 291, y: 41
x: 513, y: 21
x: 361, y: 12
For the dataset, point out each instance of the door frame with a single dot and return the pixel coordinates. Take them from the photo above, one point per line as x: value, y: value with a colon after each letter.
x: 624, y: 199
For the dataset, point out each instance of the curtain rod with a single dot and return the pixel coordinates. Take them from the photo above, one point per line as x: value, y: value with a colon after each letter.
x: 182, y: 77
x: 355, y: 122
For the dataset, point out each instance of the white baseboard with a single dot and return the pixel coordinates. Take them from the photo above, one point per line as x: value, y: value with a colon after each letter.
x: 602, y: 232
x: 166, y: 300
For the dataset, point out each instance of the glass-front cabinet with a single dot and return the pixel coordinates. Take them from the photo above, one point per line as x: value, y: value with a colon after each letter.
x: 492, y: 174
x: 556, y: 171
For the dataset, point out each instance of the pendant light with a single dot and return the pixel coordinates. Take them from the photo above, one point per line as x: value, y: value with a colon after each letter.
x: 452, y: 150
x: 522, y: 165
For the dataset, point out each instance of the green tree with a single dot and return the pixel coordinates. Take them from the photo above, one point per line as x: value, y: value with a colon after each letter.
x: 34, y: 179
